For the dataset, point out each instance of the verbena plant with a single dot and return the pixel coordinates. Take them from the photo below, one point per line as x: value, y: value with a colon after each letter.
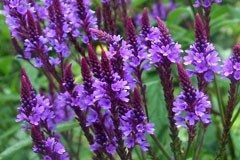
x: 110, y: 104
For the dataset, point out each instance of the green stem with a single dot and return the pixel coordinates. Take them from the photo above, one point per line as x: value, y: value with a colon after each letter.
x: 143, y: 156
x: 236, y: 116
x: 219, y: 99
x: 198, y: 139
x: 231, y: 147
x: 227, y: 120
x: 238, y: 111
x: 188, y: 149
x: 138, y: 154
x: 152, y: 154
x: 200, y: 145
x: 129, y: 155
x: 238, y: 85
x: 161, y: 147
x: 191, y: 5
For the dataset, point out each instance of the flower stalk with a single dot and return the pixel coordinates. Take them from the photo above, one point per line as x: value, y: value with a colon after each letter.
x: 231, y: 71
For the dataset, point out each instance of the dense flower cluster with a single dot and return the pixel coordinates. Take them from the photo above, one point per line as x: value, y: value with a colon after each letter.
x: 118, y: 52
x: 161, y: 10
x: 61, y: 108
x: 231, y: 66
x: 128, y: 58
x: 36, y: 111
x: 146, y: 29
x: 202, y: 54
x: 163, y: 47
x: 137, y: 57
x: 24, y: 23
x: 49, y: 147
x: 192, y: 105
x: 79, y: 17
x: 56, y: 31
x: 205, y: 3
x: 133, y: 126
x: 98, y: 111
x: 110, y: 103
x: 104, y: 98
x: 66, y: 20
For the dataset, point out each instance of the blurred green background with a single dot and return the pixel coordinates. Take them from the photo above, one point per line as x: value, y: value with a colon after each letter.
x: 15, y: 143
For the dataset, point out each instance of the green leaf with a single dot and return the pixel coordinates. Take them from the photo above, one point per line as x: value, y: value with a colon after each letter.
x: 136, y: 3
x: 9, y: 97
x: 67, y: 126
x: 179, y: 14
x: 224, y: 23
x: 6, y: 64
x: 14, y: 148
x: 10, y: 131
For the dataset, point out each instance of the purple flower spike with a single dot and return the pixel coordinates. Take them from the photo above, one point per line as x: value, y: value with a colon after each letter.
x: 49, y: 147
x: 163, y: 48
x: 145, y: 28
x: 135, y: 55
x: 164, y: 51
x: 99, y: 17
x: 38, y: 140
x: 102, y: 141
x: 118, y: 50
x: 162, y: 10
x: 28, y: 97
x: 68, y: 78
x: 231, y: 70
x: 104, y: 1
x: 145, y: 23
x: 94, y: 62
x: 136, y: 99
x: 86, y: 16
x: 101, y: 35
x: 24, y: 23
x: 106, y: 69
x: 191, y: 106
x: 86, y: 94
x: 132, y: 37
x: 133, y: 124
x: 57, y: 29
x: 231, y: 66
x: 62, y: 106
x: 87, y: 77
x: 34, y: 109
x: 205, y: 3
x: 202, y: 54
x: 26, y: 87
x: 109, y: 20
x: 62, y: 109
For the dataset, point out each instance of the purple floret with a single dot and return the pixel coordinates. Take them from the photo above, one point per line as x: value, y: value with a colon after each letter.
x: 202, y: 54
x: 231, y: 66
x: 191, y: 106
x: 194, y: 112
x: 205, y: 3
x: 35, y: 109
x: 134, y: 125
x: 50, y: 147
x: 163, y: 48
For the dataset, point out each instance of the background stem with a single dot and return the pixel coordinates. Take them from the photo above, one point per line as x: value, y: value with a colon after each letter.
x: 161, y: 147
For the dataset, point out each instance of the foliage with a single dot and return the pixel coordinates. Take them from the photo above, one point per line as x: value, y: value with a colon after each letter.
x: 15, y: 143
